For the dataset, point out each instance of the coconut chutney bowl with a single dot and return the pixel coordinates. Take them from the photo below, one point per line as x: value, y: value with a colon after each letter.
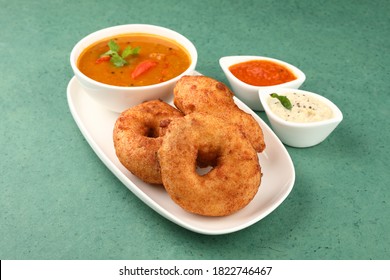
x: 148, y: 72
x: 247, y: 75
x: 300, y: 118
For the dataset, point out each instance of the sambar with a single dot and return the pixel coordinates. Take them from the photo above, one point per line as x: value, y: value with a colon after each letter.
x: 158, y: 59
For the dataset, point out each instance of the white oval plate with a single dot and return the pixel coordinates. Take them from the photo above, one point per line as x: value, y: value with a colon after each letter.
x: 96, y: 124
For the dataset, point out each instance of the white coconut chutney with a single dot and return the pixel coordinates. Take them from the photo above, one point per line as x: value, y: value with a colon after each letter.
x: 304, y: 109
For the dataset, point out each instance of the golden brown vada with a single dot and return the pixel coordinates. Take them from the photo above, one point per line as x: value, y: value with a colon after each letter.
x: 138, y: 135
x: 229, y: 186
x: 207, y: 95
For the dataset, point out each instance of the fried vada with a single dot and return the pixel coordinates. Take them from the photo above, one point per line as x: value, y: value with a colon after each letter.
x: 138, y: 135
x: 232, y: 182
x: 207, y: 95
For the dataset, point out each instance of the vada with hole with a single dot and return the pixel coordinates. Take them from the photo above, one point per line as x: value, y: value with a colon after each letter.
x: 207, y: 95
x: 232, y: 182
x: 138, y: 135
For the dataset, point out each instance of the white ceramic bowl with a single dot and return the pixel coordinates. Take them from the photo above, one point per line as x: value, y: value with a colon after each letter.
x: 300, y: 135
x: 117, y: 98
x: 249, y: 93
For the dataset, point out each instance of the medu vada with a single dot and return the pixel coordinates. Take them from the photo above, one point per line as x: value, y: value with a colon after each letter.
x: 229, y: 186
x: 207, y: 95
x: 138, y: 135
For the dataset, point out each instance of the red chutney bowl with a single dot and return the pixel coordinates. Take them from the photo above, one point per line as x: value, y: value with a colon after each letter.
x: 247, y: 90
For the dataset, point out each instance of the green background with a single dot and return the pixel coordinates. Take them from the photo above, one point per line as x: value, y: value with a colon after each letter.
x: 59, y: 201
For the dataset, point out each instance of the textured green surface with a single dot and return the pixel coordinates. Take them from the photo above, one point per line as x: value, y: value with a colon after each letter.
x: 59, y: 201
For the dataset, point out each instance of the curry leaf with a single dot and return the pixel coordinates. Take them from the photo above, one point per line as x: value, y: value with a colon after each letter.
x: 283, y: 99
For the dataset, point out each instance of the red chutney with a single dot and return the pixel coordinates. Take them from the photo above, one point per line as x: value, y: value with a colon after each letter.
x: 262, y: 73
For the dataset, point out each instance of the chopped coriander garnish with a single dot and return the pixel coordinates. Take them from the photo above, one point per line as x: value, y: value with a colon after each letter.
x: 129, y: 51
x: 283, y: 99
x: 113, y: 46
x: 116, y: 59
